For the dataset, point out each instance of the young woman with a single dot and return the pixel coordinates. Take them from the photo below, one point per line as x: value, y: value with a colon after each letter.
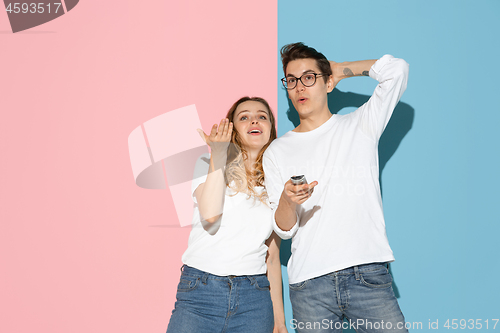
x: 223, y: 286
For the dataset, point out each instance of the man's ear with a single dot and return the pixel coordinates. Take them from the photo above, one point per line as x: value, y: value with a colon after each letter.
x: 329, y: 84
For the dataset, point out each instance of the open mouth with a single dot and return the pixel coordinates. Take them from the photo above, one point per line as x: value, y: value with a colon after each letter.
x: 302, y: 99
x: 255, y: 131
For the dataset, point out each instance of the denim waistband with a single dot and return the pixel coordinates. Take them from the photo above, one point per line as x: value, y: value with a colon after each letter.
x: 191, y: 271
x: 361, y: 268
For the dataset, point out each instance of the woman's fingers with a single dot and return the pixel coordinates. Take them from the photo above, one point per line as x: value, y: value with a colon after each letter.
x: 222, y: 124
x: 224, y: 131
x: 223, y: 127
x: 218, y: 133
x: 227, y: 130
x: 213, y: 132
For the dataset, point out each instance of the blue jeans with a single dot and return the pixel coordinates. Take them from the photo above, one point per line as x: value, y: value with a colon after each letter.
x: 361, y: 294
x: 221, y: 304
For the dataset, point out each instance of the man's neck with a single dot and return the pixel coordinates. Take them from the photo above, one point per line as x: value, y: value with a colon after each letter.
x: 313, y: 121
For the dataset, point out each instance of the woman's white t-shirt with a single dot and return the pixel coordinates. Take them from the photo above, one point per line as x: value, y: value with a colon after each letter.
x: 235, y: 244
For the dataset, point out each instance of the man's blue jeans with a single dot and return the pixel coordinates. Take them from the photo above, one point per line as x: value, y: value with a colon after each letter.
x: 361, y: 294
x: 221, y: 304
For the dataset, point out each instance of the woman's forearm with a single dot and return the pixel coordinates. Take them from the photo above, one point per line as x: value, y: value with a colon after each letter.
x: 274, y: 276
x: 210, y: 195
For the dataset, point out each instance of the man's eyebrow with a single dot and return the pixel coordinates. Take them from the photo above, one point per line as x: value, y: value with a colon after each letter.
x: 304, y: 72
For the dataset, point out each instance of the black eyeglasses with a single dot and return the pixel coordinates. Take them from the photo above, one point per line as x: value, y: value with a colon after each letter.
x: 307, y: 79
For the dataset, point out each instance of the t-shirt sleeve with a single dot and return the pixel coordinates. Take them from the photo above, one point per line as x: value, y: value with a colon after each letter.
x: 274, y: 187
x: 282, y: 233
x: 200, y: 173
x: 392, y: 75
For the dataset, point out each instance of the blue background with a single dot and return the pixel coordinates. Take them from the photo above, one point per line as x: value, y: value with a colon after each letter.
x: 439, y: 154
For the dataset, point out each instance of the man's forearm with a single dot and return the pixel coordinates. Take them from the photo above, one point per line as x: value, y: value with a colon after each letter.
x: 342, y: 70
x: 285, y: 214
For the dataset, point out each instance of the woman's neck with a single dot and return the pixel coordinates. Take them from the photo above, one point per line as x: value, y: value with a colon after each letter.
x: 250, y: 160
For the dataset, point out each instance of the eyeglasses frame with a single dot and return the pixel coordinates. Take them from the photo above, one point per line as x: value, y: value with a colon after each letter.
x: 283, y: 80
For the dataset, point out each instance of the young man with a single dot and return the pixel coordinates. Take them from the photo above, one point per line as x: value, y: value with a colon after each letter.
x: 338, y: 268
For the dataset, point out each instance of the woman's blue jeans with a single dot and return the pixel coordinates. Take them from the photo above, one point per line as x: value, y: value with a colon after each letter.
x: 221, y: 304
x: 362, y: 294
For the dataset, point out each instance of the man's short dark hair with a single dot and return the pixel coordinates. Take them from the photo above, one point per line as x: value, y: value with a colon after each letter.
x: 295, y: 51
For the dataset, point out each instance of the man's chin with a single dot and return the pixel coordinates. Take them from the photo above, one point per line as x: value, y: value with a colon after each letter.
x: 303, y: 111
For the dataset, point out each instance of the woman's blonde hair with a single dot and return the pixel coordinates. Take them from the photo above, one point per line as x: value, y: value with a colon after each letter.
x: 238, y: 177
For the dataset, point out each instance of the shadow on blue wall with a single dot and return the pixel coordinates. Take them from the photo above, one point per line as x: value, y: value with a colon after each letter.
x: 399, y: 125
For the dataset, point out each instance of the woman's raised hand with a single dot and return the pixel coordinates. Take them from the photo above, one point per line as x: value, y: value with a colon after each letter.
x: 219, y: 137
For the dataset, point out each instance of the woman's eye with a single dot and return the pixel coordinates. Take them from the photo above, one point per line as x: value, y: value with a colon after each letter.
x: 243, y: 118
x: 263, y: 117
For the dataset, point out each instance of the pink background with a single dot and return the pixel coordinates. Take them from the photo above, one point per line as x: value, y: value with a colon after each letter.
x: 82, y: 248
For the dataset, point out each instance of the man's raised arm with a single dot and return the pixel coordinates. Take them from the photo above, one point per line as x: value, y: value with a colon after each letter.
x: 342, y: 70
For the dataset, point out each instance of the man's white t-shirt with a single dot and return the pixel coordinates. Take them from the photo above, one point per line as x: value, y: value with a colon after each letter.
x: 342, y: 223
x: 235, y: 244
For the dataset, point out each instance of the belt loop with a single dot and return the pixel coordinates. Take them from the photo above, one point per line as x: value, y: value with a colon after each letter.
x: 182, y: 268
x: 204, y: 278
x: 356, y: 273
